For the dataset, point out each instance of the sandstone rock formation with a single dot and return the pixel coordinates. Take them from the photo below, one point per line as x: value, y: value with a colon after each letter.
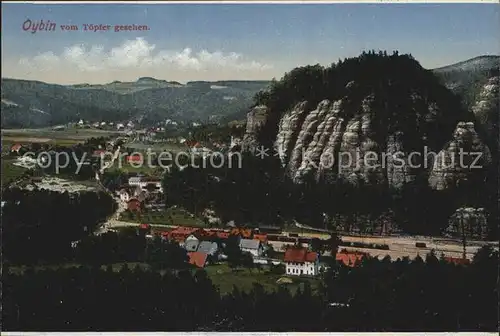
x: 468, y: 222
x: 310, y: 143
x: 486, y: 108
x: 461, y: 158
x: 391, y: 128
x: 256, y: 118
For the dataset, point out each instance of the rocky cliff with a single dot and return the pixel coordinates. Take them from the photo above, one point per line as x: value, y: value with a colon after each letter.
x: 322, y: 141
x: 486, y: 107
x: 464, y: 158
x: 386, y: 125
x: 256, y: 119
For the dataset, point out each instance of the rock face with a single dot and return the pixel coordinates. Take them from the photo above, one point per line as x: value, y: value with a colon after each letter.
x: 471, y: 222
x: 385, y: 122
x: 330, y: 140
x: 460, y: 158
x: 256, y: 118
x: 486, y: 107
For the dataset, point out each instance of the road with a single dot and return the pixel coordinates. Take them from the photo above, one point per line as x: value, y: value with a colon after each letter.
x: 121, y: 205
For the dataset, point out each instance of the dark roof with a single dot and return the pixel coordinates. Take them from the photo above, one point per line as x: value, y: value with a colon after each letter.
x: 207, y: 247
x: 249, y: 244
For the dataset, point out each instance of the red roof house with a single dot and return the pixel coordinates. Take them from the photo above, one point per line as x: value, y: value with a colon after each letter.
x: 184, y: 230
x: 244, y: 233
x: 223, y: 234
x: 260, y: 236
x: 299, y: 261
x: 16, y: 148
x: 198, y: 259
x: 134, y: 158
x: 457, y: 261
x: 98, y: 152
x: 134, y: 205
x: 299, y: 255
x: 350, y: 258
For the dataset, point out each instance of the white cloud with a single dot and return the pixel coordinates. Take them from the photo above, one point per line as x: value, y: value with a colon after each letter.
x: 140, y: 54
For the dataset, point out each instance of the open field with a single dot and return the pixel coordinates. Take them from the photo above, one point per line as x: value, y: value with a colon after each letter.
x: 224, y: 278
x: 67, y: 136
x: 143, y: 169
x: 21, y: 139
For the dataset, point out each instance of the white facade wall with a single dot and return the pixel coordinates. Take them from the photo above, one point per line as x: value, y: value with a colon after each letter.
x: 124, y: 197
x: 305, y: 268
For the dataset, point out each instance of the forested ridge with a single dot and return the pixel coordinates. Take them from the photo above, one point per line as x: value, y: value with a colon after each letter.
x: 405, y: 295
x: 393, y: 79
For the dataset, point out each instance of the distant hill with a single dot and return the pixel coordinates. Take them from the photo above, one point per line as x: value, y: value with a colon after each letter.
x: 36, y: 104
x: 476, y: 81
x: 466, y: 78
x: 147, y: 98
x: 143, y: 83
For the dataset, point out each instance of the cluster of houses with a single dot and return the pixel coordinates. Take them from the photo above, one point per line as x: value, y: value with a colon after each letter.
x: 105, y: 125
x: 142, y: 192
x: 198, y: 148
x: 205, y: 246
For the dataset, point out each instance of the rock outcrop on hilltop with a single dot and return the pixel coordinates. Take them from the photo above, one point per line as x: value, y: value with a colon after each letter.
x: 256, y: 118
x: 383, y: 131
x: 380, y: 121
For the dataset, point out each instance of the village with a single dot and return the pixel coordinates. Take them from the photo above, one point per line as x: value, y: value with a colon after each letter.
x: 141, y: 198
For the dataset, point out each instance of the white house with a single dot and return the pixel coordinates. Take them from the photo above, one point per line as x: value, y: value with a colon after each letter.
x: 253, y: 246
x: 300, y: 261
x: 124, y: 195
x: 191, y: 243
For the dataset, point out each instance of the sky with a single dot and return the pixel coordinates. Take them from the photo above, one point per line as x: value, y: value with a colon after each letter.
x: 187, y: 42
